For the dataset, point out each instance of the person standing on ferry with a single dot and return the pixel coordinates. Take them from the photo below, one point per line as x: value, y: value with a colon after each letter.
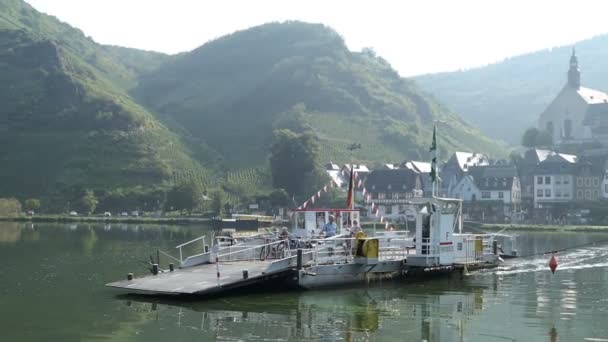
x: 330, y: 228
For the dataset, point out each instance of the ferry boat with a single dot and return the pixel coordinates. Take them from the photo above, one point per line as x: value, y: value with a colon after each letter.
x: 307, y: 260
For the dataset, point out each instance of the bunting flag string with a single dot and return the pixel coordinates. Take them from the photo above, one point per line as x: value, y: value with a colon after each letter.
x: 367, y: 198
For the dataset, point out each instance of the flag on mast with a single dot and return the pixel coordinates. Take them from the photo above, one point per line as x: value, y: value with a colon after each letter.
x: 350, y: 198
x: 433, y: 150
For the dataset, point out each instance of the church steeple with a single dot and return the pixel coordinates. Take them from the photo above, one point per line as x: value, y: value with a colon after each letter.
x: 574, y: 74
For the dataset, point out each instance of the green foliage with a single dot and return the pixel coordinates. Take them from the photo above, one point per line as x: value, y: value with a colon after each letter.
x: 279, y: 198
x: 294, y: 161
x: 218, y: 202
x: 533, y: 137
x: 32, y: 204
x: 504, y: 98
x: 88, y: 202
x: 185, y: 196
x: 9, y: 207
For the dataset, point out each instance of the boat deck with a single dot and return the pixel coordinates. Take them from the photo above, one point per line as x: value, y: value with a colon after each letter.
x: 200, y: 279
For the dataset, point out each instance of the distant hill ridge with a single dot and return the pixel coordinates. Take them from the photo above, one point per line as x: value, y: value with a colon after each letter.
x: 505, y: 98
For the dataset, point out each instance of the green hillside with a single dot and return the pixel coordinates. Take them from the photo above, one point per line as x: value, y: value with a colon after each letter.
x: 505, y: 98
x: 232, y: 92
x: 66, y: 121
x: 79, y: 115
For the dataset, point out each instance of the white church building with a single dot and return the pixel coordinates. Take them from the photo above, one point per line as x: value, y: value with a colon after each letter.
x: 577, y: 114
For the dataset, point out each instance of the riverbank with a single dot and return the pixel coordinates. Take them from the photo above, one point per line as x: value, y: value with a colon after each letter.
x: 101, y: 219
x: 491, y: 227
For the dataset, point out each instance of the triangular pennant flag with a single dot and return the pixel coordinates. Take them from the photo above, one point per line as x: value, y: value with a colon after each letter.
x: 363, y: 192
x: 360, y: 183
x: 381, y: 218
x: 304, y: 205
x: 325, y: 188
x: 386, y: 225
x: 356, y: 175
x: 312, y: 199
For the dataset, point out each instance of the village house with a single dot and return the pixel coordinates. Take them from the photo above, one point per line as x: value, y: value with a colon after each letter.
x: 391, y: 190
x: 455, y: 168
x: 577, y: 114
x: 554, y: 180
x: 498, y: 184
x: 424, y: 170
x: 588, y: 179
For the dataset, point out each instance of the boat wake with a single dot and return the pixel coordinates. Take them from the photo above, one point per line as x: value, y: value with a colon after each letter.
x: 593, y: 257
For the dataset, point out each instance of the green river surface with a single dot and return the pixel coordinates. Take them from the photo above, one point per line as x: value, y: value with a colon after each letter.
x: 52, y: 289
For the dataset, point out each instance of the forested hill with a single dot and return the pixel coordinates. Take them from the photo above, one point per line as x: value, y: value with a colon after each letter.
x: 232, y: 92
x: 505, y: 98
x: 78, y: 115
x: 66, y: 119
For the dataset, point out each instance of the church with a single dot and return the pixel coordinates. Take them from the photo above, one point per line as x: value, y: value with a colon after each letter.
x: 578, y: 114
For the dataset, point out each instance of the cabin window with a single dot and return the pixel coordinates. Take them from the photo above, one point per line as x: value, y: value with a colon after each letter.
x: 388, y: 210
x: 596, y: 194
x: 459, y: 246
x: 374, y: 195
x: 539, y: 193
x: 566, y: 194
x: 547, y: 179
x: 596, y: 182
x: 402, y: 195
x: 558, y: 180
x: 558, y: 193
x: 547, y: 192
x: 587, y: 194
x: 381, y: 195
x: 566, y: 179
x: 485, y: 194
x: 401, y: 209
x: 579, y: 182
x: 389, y: 195
x: 539, y: 180
x: 579, y: 194
x: 501, y: 195
x: 587, y: 182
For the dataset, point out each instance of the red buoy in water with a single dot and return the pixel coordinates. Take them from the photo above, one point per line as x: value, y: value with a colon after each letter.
x: 553, y: 264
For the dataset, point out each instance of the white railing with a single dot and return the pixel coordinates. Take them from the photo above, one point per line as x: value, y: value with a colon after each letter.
x: 181, y: 257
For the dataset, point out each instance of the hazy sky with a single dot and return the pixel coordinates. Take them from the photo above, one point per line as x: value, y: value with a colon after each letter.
x: 414, y: 36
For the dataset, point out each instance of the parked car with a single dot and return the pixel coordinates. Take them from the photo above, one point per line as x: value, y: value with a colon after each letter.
x: 107, y: 214
x: 73, y: 213
x: 30, y: 213
x: 124, y: 213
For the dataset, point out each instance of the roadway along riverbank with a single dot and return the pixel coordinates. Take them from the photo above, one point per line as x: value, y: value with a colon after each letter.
x: 118, y: 219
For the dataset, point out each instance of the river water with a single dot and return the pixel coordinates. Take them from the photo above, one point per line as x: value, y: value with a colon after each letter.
x: 52, y: 289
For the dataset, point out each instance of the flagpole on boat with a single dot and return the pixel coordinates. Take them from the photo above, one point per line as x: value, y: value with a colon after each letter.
x: 351, y: 188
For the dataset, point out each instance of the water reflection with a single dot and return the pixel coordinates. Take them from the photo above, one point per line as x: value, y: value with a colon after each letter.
x: 419, y: 311
x: 55, y: 274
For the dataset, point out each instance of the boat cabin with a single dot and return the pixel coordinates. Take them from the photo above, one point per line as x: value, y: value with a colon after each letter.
x: 309, y: 223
